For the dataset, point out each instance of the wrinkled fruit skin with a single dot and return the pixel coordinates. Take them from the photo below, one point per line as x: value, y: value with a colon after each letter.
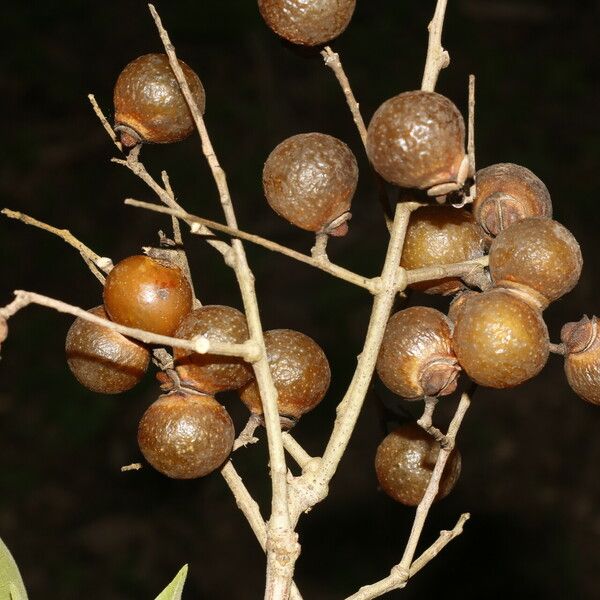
x: 416, y: 357
x: 102, y: 359
x: 538, y: 253
x: 440, y: 235
x: 582, y: 361
x: 307, y: 23
x: 404, y: 463
x: 416, y: 140
x: 185, y: 436
x: 143, y: 293
x: 300, y: 373
x: 149, y: 102
x: 310, y: 179
x: 206, y: 372
x: 506, y: 194
x: 500, y: 340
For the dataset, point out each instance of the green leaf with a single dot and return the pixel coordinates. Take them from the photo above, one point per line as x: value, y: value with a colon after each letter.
x: 174, y: 590
x: 11, y: 584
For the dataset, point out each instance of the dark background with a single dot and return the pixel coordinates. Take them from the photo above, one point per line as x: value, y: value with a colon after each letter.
x: 81, y: 528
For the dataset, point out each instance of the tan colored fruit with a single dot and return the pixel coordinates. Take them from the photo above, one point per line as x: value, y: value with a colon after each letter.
x: 537, y: 253
x: 185, y: 436
x: 404, y: 464
x: 416, y: 357
x: 310, y: 179
x: 499, y: 339
x: 441, y: 235
x: 149, y: 104
x: 416, y: 140
x: 582, y: 361
x: 206, y: 372
x: 144, y: 293
x: 300, y: 373
x: 102, y: 359
x: 307, y: 23
x: 506, y: 194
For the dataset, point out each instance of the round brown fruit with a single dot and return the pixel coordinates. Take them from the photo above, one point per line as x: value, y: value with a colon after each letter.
x: 499, y: 339
x: 300, y: 373
x: 307, y: 23
x: 209, y: 373
x: 404, y: 464
x: 149, y: 104
x: 582, y: 360
x: 102, y: 359
x: 416, y: 140
x: 416, y: 357
x: 144, y: 293
x: 185, y: 435
x: 539, y: 254
x: 506, y: 194
x: 309, y: 179
x: 441, y: 235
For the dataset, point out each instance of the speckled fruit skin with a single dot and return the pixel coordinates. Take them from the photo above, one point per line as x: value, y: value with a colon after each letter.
x: 416, y: 140
x: 538, y: 253
x: 582, y: 361
x: 206, y: 372
x: 309, y: 179
x: 416, y: 354
x: 308, y: 23
x: 499, y: 339
x: 185, y: 436
x: 148, y: 100
x: 404, y: 463
x: 300, y: 372
x: 506, y: 194
x: 141, y: 292
x: 440, y: 235
x: 102, y: 359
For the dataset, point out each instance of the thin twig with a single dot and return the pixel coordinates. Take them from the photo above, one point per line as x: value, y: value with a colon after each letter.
x: 296, y: 451
x: 461, y: 269
x: 471, y: 130
x: 246, y: 436
x: 107, y: 126
x: 437, y: 58
x: 558, y: 349
x: 426, y: 421
x: 196, y: 224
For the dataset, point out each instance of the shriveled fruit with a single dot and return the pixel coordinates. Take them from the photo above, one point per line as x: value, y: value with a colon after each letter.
x: 185, y: 435
x: 144, y: 293
x: 307, y: 23
x: 209, y: 373
x: 537, y: 253
x: 582, y: 360
x: 300, y: 373
x: 102, y: 359
x: 508, y: 193
x: 404, y: 464
x: 440, y: 235
x: 499, y: 339
x: 416, y: 357
x: 309, y: 179
x: 416, y: 140
x: 149, y: 104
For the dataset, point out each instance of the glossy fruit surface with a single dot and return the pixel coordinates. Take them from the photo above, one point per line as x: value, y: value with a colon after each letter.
x: 404, y: 464
x: 508, y: 193
x: 538, y: 253
x: 500, y: 340
x: 416, y: 140
x: 149, y: 104
x: 307, y: 23
x: 206, y: 372
x: 144, y: 293
x: 440, y: 235
x: 582, y: 361
x: 416, y: 357
x: 309, y: 179
x: 102, y: 359
x: 300, y: 372
x: 185, y: 436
